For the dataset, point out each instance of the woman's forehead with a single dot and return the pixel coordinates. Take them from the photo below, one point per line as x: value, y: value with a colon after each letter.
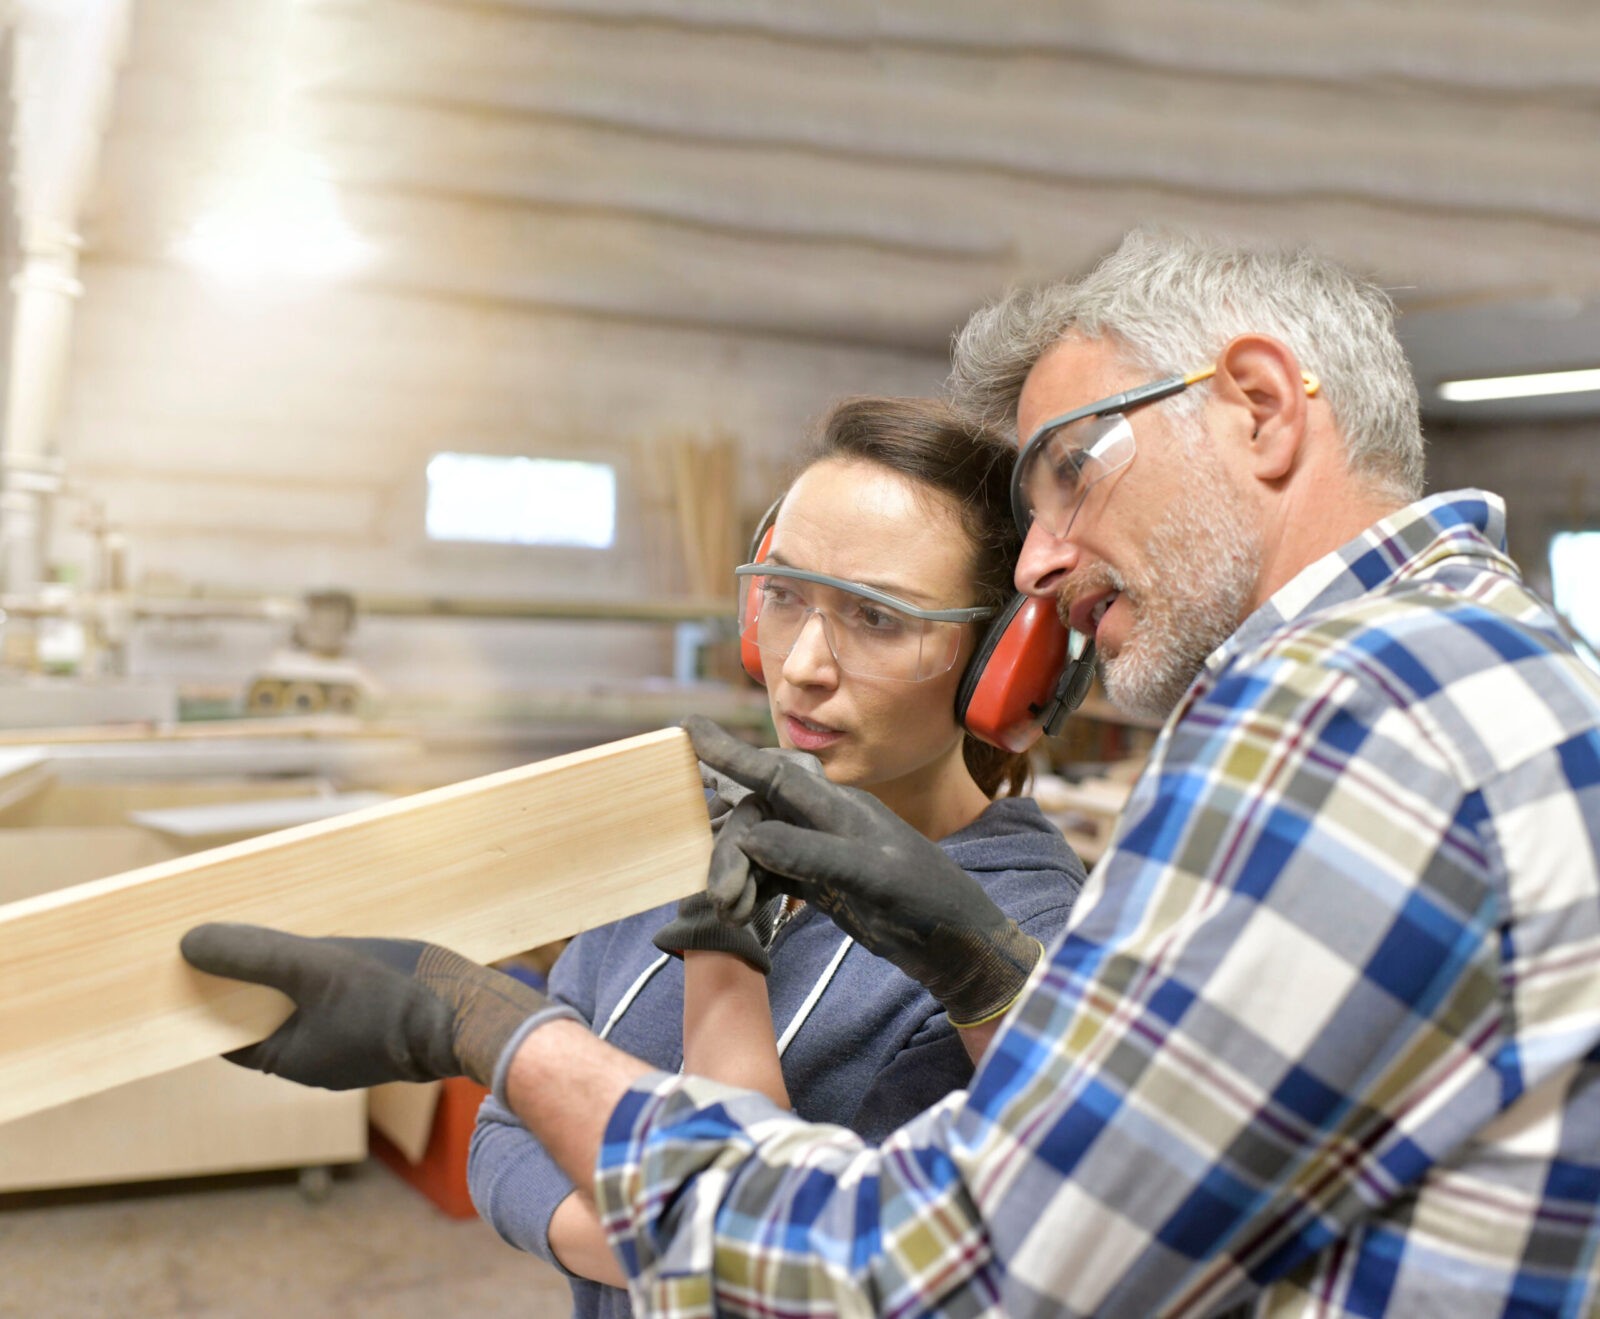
x: 867, y: 523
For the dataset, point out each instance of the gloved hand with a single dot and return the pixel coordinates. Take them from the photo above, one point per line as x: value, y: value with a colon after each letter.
x: 748, y: 931
x: 892, y: 890
x: 698, y: 928
x: 369, y: 1010
x: 726, y: 793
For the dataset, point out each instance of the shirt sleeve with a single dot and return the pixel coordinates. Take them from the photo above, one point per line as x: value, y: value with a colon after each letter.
x: 1277, y: 1006
x: 515, y: 1185
x: 934, y: 1061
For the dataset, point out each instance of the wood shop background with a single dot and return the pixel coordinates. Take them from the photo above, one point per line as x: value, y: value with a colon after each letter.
x: 388, y: 389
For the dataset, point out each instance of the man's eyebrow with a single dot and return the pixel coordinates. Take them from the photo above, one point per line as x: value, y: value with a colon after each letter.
x: 897, y: 589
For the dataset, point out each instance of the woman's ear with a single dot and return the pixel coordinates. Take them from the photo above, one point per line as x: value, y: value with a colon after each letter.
x: 1262, y: 376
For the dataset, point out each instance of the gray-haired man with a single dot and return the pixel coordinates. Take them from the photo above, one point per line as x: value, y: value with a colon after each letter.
x: 1323, y: 1035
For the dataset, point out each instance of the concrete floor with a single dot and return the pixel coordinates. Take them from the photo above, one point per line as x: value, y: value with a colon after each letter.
x: 246, y: 1246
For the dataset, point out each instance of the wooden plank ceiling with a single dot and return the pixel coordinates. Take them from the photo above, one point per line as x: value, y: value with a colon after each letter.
x: 866, y: 173
x: 597, y: 225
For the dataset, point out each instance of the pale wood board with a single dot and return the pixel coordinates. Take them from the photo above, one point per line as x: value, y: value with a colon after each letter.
x: 209, y: 1117
x: 404, y: 1113
x: 93, y: 991
x: 23, y: 775
x: 36, y: 861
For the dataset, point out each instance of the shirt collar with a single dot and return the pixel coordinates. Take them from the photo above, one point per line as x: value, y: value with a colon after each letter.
x: 1405, y: 544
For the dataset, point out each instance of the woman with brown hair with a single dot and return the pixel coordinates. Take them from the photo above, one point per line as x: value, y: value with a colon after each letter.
x: 887, y: 562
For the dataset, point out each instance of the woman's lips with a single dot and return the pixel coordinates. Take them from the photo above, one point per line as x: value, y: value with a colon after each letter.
x: 808, y: 735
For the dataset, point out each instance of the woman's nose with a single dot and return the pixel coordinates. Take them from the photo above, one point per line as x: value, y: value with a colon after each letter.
x: 1045, y: 563
x: 811, y: 660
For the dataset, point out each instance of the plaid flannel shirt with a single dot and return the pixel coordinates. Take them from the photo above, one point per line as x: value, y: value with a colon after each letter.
x: 1322, y: 1036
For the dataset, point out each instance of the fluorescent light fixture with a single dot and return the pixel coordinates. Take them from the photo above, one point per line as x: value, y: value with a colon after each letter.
x: 1528, y: 386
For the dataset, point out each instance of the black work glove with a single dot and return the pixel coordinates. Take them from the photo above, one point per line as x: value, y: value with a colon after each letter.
x: 726, y: 793
x: 745, y: 929
x: 698, y: 928
x: 368, y: 1011
x: 892, y: 890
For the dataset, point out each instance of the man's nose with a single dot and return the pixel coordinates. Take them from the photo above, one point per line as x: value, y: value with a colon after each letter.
x: 1045, y: 562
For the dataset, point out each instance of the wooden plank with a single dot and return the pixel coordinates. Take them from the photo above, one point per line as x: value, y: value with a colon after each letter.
x: 93, y: 992
x: 404, y: 1113
x: 210, y: 1117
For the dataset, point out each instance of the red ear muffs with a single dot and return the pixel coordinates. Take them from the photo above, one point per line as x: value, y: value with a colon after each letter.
x: 1023, y: 680
x: 749, y: 652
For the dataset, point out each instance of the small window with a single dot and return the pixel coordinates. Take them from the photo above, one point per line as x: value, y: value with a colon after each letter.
x: 1575, y: 580
x: 521, y: 501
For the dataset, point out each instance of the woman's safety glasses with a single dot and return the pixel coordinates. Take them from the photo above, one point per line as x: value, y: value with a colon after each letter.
x: 870, y: 633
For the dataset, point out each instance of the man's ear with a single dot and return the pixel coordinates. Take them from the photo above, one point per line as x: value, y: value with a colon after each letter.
x: 1262, y: 376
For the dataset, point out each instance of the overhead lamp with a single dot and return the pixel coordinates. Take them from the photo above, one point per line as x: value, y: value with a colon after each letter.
x: 1484, y: 388
x: 277, y: 217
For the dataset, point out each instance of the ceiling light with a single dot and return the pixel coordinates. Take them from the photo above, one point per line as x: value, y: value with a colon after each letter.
x: 1526, y: 386
x: 277, y: 216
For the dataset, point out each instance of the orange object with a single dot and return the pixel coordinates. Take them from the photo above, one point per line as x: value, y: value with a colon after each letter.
x: 441, y: 1173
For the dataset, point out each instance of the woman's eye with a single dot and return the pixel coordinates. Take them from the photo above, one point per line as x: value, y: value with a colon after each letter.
x: 874, y: 619
x: 776, y: 595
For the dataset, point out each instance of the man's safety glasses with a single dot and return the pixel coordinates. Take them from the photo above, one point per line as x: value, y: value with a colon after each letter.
x: 870, y: 633
x: 1069, y: 455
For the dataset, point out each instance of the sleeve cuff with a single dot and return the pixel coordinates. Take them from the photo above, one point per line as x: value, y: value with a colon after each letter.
x: 543, y: 1017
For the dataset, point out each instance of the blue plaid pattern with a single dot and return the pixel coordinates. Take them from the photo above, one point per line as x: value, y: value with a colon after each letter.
x: 1322, y: 1036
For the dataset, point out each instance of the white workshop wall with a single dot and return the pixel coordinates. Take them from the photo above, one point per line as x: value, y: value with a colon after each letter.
x: 280, y: 444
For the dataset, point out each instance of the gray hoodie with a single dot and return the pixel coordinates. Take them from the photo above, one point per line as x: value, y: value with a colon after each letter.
x: 862, y: 1045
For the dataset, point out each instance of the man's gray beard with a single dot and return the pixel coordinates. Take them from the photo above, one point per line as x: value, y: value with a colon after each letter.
x: 1189, y: 595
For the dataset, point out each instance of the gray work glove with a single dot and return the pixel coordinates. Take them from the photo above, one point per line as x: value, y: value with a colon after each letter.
x: 892, y: 890
x: 727, y: 793
x: 369, y: 1011
x: 698, y: 926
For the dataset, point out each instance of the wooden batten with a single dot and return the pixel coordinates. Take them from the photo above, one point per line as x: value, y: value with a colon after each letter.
x: 93, y: 991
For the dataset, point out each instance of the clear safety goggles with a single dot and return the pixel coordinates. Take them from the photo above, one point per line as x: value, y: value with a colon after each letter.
x: 870, y: 633
x: 1069, y: 455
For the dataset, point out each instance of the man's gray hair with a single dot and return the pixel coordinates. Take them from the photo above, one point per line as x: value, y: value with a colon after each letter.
x: 1172, y: 301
